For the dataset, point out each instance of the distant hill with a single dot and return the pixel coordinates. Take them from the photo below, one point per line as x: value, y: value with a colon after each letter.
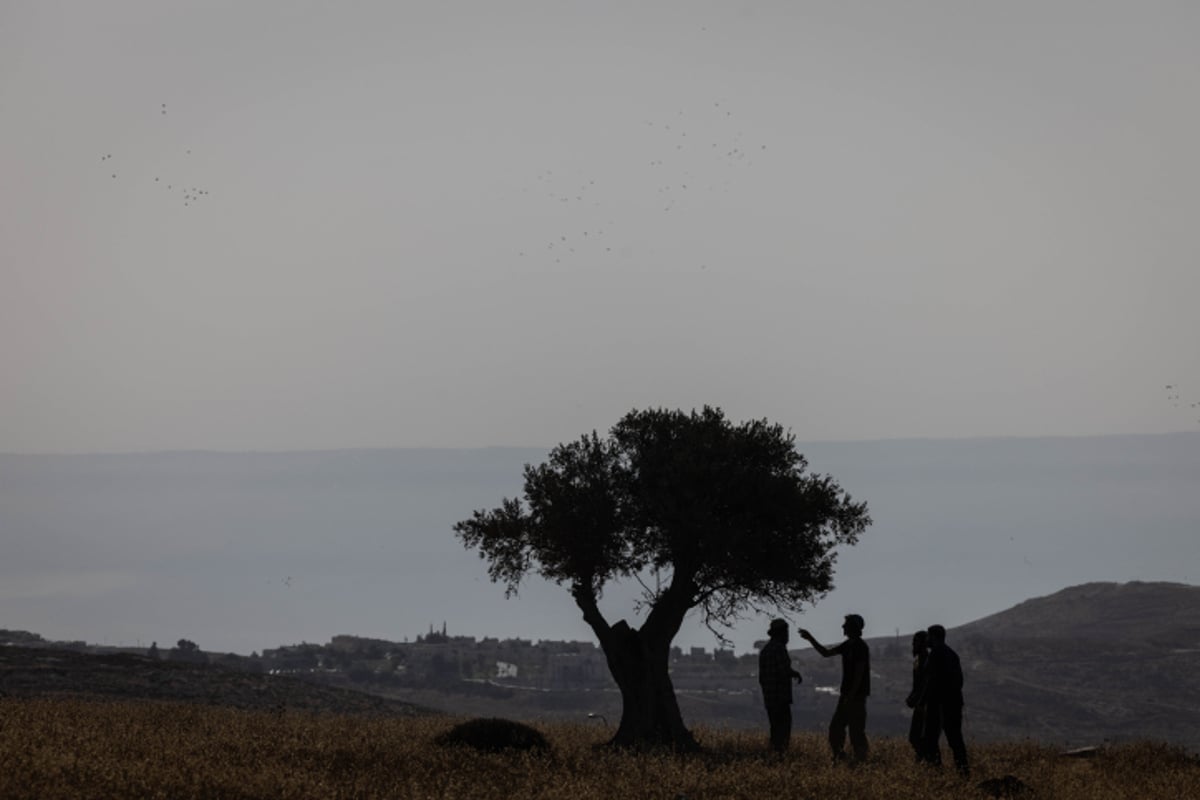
x: 1091, y: 663
x: 48, y: 672
x: 1153, y: 613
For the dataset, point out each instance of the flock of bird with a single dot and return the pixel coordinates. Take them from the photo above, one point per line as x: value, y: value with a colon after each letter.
x: 188, y: 194
x: 1177, y: 400
x: 691, y: 155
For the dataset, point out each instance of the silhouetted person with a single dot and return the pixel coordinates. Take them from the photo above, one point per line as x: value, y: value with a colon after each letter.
x: 851, y: 711
x: 775, y: 676
x: 943, y: 701
x: 916, y: 728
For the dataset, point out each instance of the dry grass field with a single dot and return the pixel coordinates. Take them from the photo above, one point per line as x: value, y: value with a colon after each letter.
x: 65, y: 748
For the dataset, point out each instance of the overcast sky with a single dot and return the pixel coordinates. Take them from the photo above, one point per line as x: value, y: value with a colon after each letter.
x: 277, y: 226
x: 288, y: 225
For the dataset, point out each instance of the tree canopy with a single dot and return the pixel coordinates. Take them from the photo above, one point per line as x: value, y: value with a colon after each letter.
x: 726, y: 514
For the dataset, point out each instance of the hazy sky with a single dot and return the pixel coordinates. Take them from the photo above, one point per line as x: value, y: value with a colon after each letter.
x: 284, y: 225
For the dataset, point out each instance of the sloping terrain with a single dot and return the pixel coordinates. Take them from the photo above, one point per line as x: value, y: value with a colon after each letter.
x: 1164, y: 614
x: 37, y: 672
x: 1100, y: 661
x: 1089, y: 664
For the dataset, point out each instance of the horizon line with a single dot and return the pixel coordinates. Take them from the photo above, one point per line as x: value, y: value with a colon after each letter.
x: 466, y: 448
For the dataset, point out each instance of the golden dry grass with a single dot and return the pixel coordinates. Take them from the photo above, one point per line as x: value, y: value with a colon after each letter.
x: 82, y: 749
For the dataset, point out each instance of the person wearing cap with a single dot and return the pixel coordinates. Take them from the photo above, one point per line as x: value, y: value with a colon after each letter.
x: 775, y: 676
x: 851, y: 711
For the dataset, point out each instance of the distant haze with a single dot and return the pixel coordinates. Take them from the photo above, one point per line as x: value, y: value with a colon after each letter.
x: 288, y: 226
x: 266, y: 229
x: 238, y: 552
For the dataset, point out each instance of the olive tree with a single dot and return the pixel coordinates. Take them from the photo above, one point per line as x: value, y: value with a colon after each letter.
x: 723, y: 517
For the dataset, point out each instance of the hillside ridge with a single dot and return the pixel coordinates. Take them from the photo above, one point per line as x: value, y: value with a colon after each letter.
x: 1134, y: 611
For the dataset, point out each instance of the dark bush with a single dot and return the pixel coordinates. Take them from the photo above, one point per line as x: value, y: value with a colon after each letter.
x: 493, y: 735
x: 1008, y: 786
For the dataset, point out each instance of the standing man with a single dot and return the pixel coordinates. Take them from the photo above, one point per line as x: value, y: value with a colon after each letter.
x: 775, y: 675
x: 943, y: 700
x: 916, y: 729
x: 851, y: 712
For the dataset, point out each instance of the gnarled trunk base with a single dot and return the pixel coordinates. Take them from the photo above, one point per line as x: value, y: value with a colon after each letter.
x: 650, y: 717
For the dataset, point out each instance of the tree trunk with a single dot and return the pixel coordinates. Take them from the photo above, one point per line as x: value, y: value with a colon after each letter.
x: 638, y: 661
x: 649, y: 712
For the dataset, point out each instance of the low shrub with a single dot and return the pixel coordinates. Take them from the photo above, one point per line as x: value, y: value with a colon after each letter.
x: 493, y: 735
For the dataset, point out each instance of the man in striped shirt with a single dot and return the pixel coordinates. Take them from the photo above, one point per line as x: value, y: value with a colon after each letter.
x: 775, y: 676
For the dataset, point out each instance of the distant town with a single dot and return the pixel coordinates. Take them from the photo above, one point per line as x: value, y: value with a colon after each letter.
x: 442, y: 661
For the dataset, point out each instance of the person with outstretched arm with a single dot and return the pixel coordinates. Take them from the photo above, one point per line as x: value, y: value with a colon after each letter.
x: 851, y: 711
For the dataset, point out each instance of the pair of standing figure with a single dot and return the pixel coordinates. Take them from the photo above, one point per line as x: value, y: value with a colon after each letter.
x: 775, y: 676
x: 936, y: 699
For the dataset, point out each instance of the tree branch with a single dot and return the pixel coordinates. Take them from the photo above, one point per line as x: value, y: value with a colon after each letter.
x: 585, y: 598
x: 672, y: 605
